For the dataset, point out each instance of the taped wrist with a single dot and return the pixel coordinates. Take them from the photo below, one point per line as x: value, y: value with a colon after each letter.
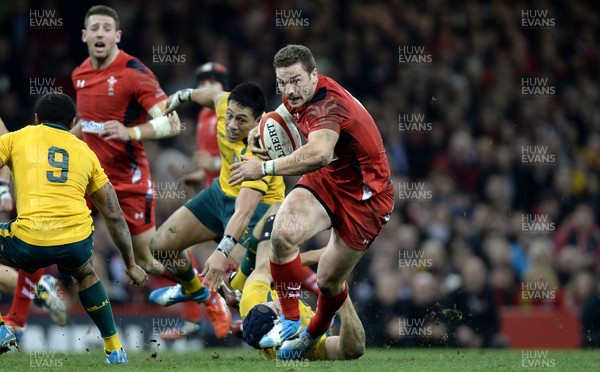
x: 135, y: 134
x: 267, y: 229
x: 162, y: 127
x: 268, y: 168
x: 185, y: 95
x: 226, y: 245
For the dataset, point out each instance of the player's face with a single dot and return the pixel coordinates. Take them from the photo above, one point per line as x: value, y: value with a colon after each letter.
x: 238, y: 121
x: 297, y: 85
x: 101, y: 36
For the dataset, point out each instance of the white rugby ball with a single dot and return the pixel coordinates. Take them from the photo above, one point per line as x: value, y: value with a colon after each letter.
x: 278, y: 133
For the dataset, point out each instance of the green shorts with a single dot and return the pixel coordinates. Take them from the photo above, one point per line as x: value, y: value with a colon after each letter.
x: 214, y: 209
x: 68, y: 257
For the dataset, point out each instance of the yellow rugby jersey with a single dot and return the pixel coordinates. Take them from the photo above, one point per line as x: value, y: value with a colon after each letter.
x: 52, y: 171
x: 257, y: 292
x: 272, y: 187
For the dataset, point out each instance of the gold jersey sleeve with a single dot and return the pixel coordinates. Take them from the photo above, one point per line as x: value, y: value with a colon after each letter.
x: 257, y: 292
x: 272, y: 187
x: 52, y: 170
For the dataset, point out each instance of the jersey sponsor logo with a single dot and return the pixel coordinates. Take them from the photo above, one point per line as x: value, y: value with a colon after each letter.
x: 80, y: 83
x: 111, y: 85
x: 92, y: 126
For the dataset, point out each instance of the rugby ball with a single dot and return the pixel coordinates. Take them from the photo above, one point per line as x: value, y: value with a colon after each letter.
x: 278, y: 133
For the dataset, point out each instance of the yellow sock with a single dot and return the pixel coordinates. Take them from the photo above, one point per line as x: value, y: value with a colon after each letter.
x: 238, y: 281
x: 191, y: 286
x: 112, y: 343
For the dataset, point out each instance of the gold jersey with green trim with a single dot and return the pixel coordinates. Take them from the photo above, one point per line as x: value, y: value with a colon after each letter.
x: 52, y: 171
x: 257, y: 292
x: 272, y: 187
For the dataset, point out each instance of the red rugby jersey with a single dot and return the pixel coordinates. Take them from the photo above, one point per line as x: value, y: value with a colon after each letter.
x: 124, y: 91
x: 360, y: 169
x: 206, y: 138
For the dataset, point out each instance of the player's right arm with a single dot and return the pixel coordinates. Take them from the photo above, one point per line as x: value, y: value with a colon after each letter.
x: 206, y: 97
x: 105, y: 200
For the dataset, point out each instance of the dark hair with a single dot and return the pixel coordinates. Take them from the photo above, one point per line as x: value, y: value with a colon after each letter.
x: 57, y: 108
x: 249, y: 95
x: 102, y: 10
x: 292, y: 54
x: 258, y: 322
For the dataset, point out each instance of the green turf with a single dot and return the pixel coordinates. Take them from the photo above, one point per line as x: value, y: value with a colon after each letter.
x: 373, y: 360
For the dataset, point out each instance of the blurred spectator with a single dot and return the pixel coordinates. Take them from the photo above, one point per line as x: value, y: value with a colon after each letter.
x: 580, y: 230
x: 471, y: 312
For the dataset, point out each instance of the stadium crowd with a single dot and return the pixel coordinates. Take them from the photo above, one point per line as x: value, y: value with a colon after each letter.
x: 491, y: 132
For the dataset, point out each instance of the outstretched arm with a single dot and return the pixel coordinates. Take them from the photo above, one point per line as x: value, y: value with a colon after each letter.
x: 206, y: 97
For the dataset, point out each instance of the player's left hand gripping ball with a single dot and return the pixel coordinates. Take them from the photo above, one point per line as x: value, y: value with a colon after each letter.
x: 249, y: 169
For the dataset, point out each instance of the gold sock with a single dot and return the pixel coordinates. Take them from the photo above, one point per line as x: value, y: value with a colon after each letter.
x: 112, y: 343
x: 238, y: 281
x: 191, y: 286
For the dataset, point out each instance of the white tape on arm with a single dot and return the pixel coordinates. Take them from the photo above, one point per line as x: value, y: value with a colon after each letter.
x: 161, y: 126
x: 155, y: 111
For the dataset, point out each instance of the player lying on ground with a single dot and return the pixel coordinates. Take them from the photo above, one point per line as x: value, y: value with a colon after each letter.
x: 53, y: 171
x: 220, y: 211
x: 260, y: 309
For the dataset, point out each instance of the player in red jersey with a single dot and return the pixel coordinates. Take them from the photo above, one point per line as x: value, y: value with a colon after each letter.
x: 116, y: 94
x: 208, y: 157
x: 345, y: 186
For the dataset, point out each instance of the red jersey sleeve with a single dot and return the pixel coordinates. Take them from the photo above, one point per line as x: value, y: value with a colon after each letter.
x: 147, y: 89
x: 326, y: 114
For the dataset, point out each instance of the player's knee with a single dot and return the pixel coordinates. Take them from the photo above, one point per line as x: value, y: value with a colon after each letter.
x: 283, y: 242
x: 84, y: 274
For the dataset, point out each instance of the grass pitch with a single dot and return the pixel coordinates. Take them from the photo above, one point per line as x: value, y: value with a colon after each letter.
x: 230, y: 359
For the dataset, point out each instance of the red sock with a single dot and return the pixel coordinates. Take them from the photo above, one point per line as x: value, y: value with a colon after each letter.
x: 19, y: 309
x: 309, y: 280
x: 192, y: 311
x: 326, y: 309
x: 287, y: 278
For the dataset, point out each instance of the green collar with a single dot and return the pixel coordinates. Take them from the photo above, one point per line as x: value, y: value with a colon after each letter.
x: 56, y: 126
